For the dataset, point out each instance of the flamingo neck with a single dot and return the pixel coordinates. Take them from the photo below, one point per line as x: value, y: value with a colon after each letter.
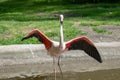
x: 61, y: 36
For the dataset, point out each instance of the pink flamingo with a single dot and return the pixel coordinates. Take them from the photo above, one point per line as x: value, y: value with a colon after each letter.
x: 56, y: 48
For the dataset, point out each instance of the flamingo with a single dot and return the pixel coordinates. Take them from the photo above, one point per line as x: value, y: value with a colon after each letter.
x: 55, y: 49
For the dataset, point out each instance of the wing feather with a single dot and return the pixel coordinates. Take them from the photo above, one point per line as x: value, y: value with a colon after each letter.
x: 40, y: 36
x: 83, y: 43
x: 33, y: 33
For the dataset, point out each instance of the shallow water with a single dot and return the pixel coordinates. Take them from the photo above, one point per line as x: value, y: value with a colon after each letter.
x: 111, y: 74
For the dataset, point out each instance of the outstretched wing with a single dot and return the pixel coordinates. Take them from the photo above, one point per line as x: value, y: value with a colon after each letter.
x: 83, y: 43
x: 40, y: 36
x: 34, y: 33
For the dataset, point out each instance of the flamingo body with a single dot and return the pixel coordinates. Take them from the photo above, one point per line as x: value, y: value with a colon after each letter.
x: 53, y: 48
x: 56, y: 48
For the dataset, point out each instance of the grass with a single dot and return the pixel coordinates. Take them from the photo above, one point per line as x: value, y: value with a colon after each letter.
x: 18, y: 17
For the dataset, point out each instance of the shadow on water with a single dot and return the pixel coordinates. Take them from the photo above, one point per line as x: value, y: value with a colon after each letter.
x: 112, y: 74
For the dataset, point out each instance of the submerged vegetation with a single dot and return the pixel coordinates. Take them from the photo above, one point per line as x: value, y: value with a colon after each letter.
x: 18, y: 17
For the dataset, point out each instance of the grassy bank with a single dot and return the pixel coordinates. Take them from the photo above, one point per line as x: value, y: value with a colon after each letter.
x: 18, y: 17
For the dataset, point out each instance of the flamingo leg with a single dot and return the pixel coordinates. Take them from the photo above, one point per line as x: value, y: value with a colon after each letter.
x: 54, y: 68
x: 59, y: 66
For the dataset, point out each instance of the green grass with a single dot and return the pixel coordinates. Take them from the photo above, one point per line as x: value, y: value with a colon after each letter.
x: 98, y: 30
x: 18, y: 17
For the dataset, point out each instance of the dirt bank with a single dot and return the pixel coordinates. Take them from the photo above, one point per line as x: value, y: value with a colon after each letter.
x: 112, y: 33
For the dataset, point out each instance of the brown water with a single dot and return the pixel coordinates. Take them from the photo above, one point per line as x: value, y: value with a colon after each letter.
x: 111, y: 74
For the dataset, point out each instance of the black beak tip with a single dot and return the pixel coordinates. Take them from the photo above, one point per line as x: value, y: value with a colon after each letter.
x: 61, y: 22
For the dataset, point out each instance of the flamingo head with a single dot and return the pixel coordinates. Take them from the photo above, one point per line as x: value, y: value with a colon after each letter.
x: 61, y: 18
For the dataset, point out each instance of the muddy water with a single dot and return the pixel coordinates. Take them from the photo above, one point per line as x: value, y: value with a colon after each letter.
x: 111, y: 74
